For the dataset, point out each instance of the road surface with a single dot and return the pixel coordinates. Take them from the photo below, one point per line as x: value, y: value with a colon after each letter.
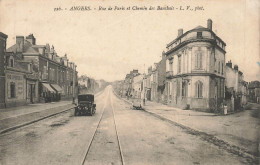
x: 115, y: 135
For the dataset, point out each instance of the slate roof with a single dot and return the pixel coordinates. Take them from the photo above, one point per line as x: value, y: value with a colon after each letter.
x: 27, y: 48
x: 200, y: 27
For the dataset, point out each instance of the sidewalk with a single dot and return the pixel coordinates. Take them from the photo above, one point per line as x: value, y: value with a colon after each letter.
x: 15, y: 117
x: 239, y: 131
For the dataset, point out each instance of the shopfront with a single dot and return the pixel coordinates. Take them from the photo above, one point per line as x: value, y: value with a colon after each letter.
x: 58, y: 91
x: 47, y: 93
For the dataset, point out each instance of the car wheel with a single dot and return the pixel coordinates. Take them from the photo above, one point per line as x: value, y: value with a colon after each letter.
x: 91, y: 112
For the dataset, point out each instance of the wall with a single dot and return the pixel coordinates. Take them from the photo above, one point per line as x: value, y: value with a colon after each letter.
x: 20, y: 89
x: 2, y: 68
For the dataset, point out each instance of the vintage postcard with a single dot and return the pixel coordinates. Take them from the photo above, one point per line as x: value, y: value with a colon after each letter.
x: 131, y: 82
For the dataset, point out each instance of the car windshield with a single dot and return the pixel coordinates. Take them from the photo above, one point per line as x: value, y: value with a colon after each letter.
x: 86, y: 98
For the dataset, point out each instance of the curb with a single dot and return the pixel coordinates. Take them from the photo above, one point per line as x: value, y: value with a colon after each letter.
x: 31, y: 122
x: 211, y: 139
x: 34, y: 121
x: 207, y: 137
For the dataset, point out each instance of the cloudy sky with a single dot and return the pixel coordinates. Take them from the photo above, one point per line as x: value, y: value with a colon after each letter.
x: 108, y: 44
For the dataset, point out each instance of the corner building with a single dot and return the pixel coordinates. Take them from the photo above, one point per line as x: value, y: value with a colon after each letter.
x: 195, y: 70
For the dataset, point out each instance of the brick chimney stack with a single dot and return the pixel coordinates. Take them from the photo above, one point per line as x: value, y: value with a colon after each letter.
x: 236, y: 67
x: 209, y: 24
x: 229, y: 64
x: 19, y: 43
x: 31, y: 39
x: 180, y: 32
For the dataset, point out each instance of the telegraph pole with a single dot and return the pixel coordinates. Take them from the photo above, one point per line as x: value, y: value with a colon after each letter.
x: 73, y: 81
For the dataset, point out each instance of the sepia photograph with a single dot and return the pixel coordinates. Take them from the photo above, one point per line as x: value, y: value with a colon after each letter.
x: 129, y: 82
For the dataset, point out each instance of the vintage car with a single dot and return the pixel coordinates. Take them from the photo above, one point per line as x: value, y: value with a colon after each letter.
x: 85, y: 105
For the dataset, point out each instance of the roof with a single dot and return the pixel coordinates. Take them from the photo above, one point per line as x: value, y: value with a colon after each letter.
x: 200, y: 27
x: 27, y: 45
x: 3, y: 35
x: 254, y: 84
x: 194, y: 29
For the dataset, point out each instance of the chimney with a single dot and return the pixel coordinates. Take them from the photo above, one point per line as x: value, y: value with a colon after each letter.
x: 229, y: 64
x: 236, y: 67
x: 209, y: 25
x: 19, y: 43
x: 31, y: 39
x: 180, y: 32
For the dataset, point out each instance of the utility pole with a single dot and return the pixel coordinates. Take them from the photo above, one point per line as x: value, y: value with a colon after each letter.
x: 73, y: 81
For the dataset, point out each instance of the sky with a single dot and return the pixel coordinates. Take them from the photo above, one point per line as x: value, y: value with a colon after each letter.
x: 109, y: 44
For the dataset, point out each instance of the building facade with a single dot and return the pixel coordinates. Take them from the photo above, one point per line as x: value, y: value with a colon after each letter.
x: 47, y: 76
x: 3, y: 38
x: 195, y: 74
x: 236, y: 89
x: 154, y: 82
x: 162, y: 79
x: 254, y: 92
x: 137, y: 86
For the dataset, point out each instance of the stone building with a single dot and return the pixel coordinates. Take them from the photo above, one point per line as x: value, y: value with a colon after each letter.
x: 161, y: 79
x: 3, y: 38
x: 52, y: 76
x: 128, y: 86
x: 87, y: 85
x: 195, y: 69
x: 137, y: 86
x: 148, y: 84
x: 154, y: 82
x: 254, y: 92
x: 236, y: 89
x: 21, y: 83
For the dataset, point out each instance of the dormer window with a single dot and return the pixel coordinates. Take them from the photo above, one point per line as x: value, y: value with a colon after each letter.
x: 11, y: 62
x: 199, y: 34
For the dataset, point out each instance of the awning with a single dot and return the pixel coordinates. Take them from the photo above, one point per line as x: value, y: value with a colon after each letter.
x: 48, y: 87
x: 57, y: 88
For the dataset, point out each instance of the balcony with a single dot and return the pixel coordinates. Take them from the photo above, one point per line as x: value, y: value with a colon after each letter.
x: 169, y: 74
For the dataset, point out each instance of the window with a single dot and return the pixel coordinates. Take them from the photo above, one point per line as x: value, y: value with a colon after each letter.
x: 198, y: 59
x: 178, y: 88
x: 12, y: 90
x: 29, y: 67
x: 199, y: 34
x: 170, y: 88
x: 184, y: 89
x: 222, y: 71
x: 11, y: 62
x: 218, y: 67
x: 171, y: 66
x: 179, y: 64
x: 199, y: 89
x: 167, y: 65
